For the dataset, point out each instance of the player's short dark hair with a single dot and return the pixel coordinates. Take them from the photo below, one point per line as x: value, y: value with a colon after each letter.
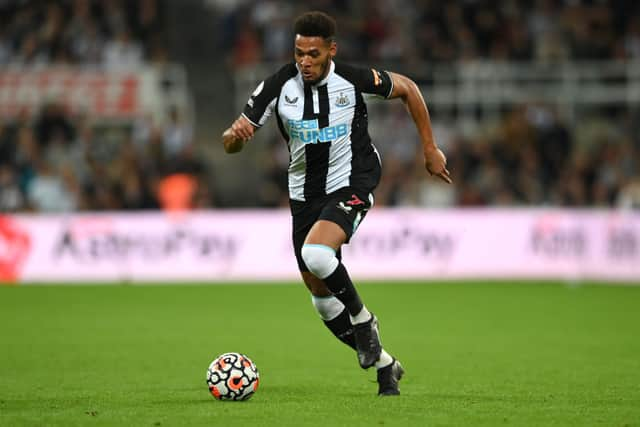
x: 315, y: 24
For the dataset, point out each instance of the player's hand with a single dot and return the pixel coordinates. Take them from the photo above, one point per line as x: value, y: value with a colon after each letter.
x: 242, y: 129
x: 235, y: 137
x: 436, y: 164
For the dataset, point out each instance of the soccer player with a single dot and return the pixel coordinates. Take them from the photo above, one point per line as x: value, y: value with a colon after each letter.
x: 334, y: 168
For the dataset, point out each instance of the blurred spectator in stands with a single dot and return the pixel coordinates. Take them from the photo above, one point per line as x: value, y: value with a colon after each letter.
x: 552, y: 140
x: 49, y: 34
x: 550, y: 48
x: 53, y: 122
x: 274, y: 189
x: 204, y: 198
x: 396, y: 45
x: 176, y: 192
x: 519, y: 39
x: 394, y: 135
x: 87, y: 43
x: 79, y: 152
x: 141, y: 130
x: 631, y: 40
x: 545, y: 26
x: 21, y: 23
x: 30, y: 53
x: 543, y: 19
x: 395, y: 183
x: 157, y: 53
x: 128, y: 167
x: 122, y: 53
x: 11, y: 197
x: 51, y: 192
x: 247, y: 49
x: 272, y: 19
x: 80, y: 20
x: 134, y: 196
x: 6, y: 52
x: 178, y: 135
x: 529, y: 184
x: 115, y: 16
x: 26, y: 156
x: 374, y: 29
x: 428, y: 192
x: 188, y: 160
x: 629, y: 195
x: 7, y: 144
x: 490, y: 178
x: 58, y: 150
x: 571, y: 188
x: 146, y: 24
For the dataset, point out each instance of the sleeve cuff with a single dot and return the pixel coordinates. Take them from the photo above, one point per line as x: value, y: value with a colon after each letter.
x: 251, y: 121
x: 390, y: 81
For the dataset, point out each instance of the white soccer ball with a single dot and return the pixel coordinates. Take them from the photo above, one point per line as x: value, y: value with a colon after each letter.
x: 232, y: 376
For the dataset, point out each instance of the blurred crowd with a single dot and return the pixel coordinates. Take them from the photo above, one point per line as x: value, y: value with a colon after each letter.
x: 529, y: 157
x: 533, y: 155
x: 60, y: 163
x: 55, y: 161
x: 109, y: 33
x: 404, y: 31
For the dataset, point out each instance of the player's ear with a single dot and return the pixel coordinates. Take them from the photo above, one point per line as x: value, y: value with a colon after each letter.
x: 333, y: 49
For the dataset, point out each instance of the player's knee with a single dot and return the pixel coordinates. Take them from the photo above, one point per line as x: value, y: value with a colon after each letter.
x: 320, y: 259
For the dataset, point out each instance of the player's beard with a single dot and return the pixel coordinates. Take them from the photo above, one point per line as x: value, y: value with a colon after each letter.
x: 325, y: 70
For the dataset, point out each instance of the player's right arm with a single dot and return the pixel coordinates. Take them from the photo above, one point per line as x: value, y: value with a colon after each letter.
x: 237, y: 135
x: 259, y: 107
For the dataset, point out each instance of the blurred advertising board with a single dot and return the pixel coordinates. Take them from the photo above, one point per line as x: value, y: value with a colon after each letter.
x: 102, y: 94
x: 211, y: 246
x: 94, y: 92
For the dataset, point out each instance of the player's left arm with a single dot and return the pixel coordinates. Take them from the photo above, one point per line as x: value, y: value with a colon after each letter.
x: 406, y: 89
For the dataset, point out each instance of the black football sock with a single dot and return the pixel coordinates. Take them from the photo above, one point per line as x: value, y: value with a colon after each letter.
x: 340, y: 284
x: 342, y: 328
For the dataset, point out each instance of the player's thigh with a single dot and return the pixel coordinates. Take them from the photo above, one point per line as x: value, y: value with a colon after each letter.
x: 327, y: 233
x: 304, y: 217
x: 344, y: 210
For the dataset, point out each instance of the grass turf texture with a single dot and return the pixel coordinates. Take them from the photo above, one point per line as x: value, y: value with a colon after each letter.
x: 475, y: 354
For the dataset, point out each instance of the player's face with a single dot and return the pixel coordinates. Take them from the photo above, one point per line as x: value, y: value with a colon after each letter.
x: 313, y: 56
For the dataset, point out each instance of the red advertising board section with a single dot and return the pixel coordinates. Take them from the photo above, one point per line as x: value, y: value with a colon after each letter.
x: 98, y: 93
x: 226, y: 245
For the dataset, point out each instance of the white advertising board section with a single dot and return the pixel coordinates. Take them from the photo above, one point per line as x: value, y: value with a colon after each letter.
x: 255, y: 245
x: 114, y: 94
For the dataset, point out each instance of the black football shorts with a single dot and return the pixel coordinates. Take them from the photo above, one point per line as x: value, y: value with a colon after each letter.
x: 346, y: 207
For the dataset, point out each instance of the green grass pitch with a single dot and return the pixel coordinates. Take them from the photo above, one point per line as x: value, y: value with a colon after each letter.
x: 476, y: 354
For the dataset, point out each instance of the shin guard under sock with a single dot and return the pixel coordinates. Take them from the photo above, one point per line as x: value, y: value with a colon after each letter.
x: 339, y: 283
x: 341, y: 327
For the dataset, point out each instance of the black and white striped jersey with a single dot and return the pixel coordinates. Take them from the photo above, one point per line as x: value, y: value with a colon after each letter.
x: 325, y: 126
